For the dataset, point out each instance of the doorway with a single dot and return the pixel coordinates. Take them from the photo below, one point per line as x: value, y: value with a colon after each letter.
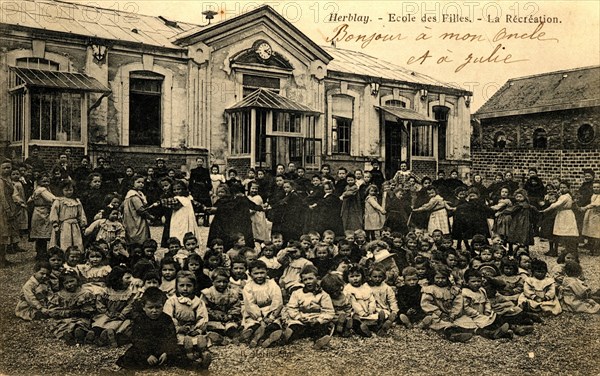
x: 396, y: 147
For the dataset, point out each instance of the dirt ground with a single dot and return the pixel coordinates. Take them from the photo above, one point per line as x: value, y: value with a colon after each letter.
x: 565, y: 345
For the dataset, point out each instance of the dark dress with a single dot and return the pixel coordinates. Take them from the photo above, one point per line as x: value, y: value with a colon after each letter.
x: 328, y: 212
x: 232, y: 215
x: 410, y: 297
x: 420, y: 219
x: 92, y: 201
x: 315, y: 195
x: 292, y: 209
x: 377, y: 177
x: 522, y: 223
x: 200, y: 185
x: 151, y: 337
x: 535, y: 190
x: 470, y: 218
x: 398, y: 211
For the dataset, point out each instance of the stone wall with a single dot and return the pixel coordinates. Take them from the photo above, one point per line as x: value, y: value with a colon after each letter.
x: 560, y: 126
x: 564, y: 164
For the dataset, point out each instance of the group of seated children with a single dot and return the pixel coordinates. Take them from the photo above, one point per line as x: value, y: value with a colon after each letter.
x: 174, y: 304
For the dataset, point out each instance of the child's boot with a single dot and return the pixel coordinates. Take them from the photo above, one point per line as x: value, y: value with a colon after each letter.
x: 340, y: 323
x: 405, y: 320
x: 246, y: 335
x: 322, y: 342
x: 90, y: 338
x: 384, y: 328
x: 260, y: 332
x: 272, y: 339
x: 364, y: 330
x: 522, y: 330
x: 112, y: 338
x: 102, y: 339
x: 69, y: 339
x: 79, y: 334
x: 287, y: 334
x: 204, y: 360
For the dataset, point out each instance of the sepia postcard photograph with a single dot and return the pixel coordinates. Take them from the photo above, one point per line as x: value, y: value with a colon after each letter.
x: 312, y: 187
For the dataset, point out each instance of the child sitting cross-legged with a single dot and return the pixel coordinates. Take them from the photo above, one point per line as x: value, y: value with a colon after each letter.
x: 366, y: 314
x: 71, y: 309
x: 576, y: 295
x: 409, y: 299
x: 190, y: 317
x: 539, y: 291
x: 115, y: 308
x: 333, y: 284
x: 309, y: 311
x: 443, y: 306
x: 223, y: 305
x: 478, y: 308
x: 153, y: 337
x: 33, y: 302
x: 385, y: 298
x: 261, y: 308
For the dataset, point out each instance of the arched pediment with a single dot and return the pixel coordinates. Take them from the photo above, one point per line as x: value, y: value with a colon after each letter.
x: 249, y: 57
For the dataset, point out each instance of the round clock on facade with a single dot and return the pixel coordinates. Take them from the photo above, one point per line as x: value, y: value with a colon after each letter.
x: 264, y: 50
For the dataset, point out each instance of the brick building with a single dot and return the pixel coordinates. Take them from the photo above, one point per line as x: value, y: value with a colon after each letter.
x: 252, y: 90
x: 550, y: 121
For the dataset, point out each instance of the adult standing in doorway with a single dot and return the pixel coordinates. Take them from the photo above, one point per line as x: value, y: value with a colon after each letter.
x: 200, y: 186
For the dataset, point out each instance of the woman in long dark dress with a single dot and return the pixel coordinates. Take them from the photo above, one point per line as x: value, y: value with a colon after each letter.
x: 328, y: 211
x: 421, y: 219
x: 398, y: 211
x: 200, y: 186
x: 232, y: 215
x: 315, y: 195
x: 293, y: 211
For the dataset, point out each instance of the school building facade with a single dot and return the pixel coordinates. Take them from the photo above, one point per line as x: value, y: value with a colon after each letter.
x: 248, y: 91
x: 549, y: 121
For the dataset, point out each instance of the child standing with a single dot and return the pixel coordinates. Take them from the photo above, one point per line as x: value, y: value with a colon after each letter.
x: 135, y: 216
x: 565, y: 225
x: 438, y: 216
x: 115, y: 308
x: 33, y: 302
x: 309, y: 310
x: 374, y: 212
x: 67, y: 219
x: 190, y: 317
x: 539, y: 291
x: 546, y: 223
x: 71, y: 308
x: 262, y: 306
x: 591, y: 220
x: 223, y: 304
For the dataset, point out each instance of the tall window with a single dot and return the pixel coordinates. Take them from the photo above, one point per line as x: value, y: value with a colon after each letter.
x: 252, y: 82
x: 440, y: 113
x: 145, y: 102
x: 540, y: 140
x: 312, y: 152
x: 55, y: 116
x: 240, y: 133
x: 422, y: 140
x: 343, y: 114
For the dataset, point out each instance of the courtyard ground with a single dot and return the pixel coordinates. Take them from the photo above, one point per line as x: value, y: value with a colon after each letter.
x: 565, y: 345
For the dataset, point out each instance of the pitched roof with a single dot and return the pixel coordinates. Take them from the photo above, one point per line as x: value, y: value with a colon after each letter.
x: 263, y: 98
x: 559, y: 90
x: 59, y: 80
x: 354, y: 62
x: 90, y: 21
